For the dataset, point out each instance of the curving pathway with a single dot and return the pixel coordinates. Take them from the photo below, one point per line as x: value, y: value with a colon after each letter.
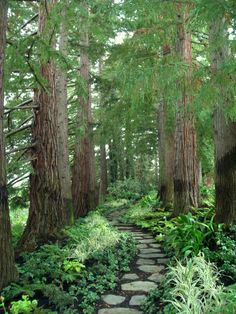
x: 146, y: 271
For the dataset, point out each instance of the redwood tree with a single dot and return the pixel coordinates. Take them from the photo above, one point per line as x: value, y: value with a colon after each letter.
x: 84, y: 173
x: 61, y: 94
x: 7, y: 266
x: 103, y: 175
x: 47, y: 214
x: 166, y: 157
x: 224, y: 128
x: 186, y: 165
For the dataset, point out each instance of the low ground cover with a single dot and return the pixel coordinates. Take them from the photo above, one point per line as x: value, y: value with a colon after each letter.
x: 187, y: 239
x: 70, y: 276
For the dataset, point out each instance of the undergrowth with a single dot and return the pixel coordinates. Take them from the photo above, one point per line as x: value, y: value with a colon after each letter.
x: 70, y: 277
x: 185, y: 237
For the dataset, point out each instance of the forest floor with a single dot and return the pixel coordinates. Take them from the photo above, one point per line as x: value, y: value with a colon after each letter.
x: 146, y: 271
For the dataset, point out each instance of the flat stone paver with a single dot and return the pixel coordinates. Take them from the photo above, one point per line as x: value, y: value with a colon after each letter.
x: 113, y: 299
x: 119, y: 310
x: 151, y: 268
x: 157, y: 277
x: 147, y: 241
x: 145, y: 261
x: 144, y: 286
x: 130, y: 277
x: 155, y: 245
x: 149, y: 250
x: 137, y: 299
x: 142, y: 246
x: 152, y: 255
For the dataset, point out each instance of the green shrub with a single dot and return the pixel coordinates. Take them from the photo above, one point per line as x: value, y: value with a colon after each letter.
x: 188, y: 235
x: 195, y: 289
x: 23, y: 306
x: 223, y: 252
x: 127, y: 189
x: 207, y: 195
x: 18, y: 221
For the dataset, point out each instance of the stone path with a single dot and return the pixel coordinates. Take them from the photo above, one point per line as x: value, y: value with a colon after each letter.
x: 146, y: 272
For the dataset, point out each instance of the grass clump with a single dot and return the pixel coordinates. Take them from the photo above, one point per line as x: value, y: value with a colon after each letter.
x: 195, y: 289
x: 94, y: 234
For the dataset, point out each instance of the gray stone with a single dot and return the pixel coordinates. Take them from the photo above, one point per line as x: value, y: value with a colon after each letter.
x: 145, y: 261
x: 142, y: 246
x: 151, y: 268
x: 157, y: 277
x: 144, y: 286
x: 149, y: 250
x: 151, y: 255
x: 163, y: 260
x: 119, y: 310
x: 155, y: 245
x: 147, y: 241
x: 137, y: 299
x: 113, y: 299
x: 130, y: 277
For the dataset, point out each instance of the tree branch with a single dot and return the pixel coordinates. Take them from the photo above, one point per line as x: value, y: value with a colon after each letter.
x: 13, y: 181
x: 18, y: 130
x: 18, y: 149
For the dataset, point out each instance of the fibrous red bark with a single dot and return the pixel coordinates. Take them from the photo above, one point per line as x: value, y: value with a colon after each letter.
x: 47, y: 214
x: 186, y: 180
x: 7, y: 267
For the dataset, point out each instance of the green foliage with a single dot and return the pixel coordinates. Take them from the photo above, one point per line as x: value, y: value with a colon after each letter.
x: 195, y: 289
x: 208, y: 195
x: 23, y: 306
x: 188, y: 235
x: 18, y: 218
x: 127, y: 189
x: 228, y: 300
x: 94, y: 234
x: 223, y: 252
x: 72, y: 275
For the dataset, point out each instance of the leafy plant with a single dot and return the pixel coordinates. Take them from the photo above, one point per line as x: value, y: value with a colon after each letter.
x: 23, y: 306
x: 195, y: 289
x: 126, y: 189
x: 229, y: 301
x: 223, y: 252
x: 187, y: 236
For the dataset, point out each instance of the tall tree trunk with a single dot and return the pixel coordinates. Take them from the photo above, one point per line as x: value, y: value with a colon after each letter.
x: 120, y: 158
x: 225, y: 129
x: 103, y: 178
x: 7, y: 266
x: 113, y: 163
x: 103, y: 154
x: 166, y: 157
x: 63, y: 158
x: 129, y: 162
x: 47, y: 214
x: 186, y: 164
x: 84, y: 170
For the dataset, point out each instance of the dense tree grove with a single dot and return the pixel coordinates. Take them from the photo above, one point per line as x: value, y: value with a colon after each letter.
x: 95, y: 93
